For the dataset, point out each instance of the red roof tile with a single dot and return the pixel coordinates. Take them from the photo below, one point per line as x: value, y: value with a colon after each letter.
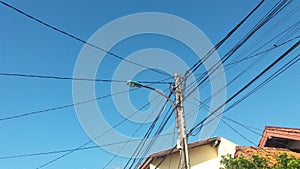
x: 279, y: 132
x: 270, y: 154
x: 283, y: 129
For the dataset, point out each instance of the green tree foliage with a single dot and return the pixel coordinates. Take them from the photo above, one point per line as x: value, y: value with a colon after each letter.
x: 284, y: 162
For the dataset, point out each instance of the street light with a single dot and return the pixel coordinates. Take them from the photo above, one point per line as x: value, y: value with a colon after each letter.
x: 134, y: 84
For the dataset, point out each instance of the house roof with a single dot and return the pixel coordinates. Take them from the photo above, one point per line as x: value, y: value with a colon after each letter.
x: 164, y: 153
x: 268, y: 153
x: 279, y: 132
x: 283, y: 129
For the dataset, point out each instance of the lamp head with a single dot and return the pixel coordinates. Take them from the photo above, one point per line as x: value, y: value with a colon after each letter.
x: 131, y: 83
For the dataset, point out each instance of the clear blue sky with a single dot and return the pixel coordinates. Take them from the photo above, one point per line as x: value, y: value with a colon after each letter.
x: 28, y: 47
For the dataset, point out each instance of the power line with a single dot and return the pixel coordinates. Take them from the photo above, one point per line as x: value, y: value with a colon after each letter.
x: 139, y: 148
x: 70, y: 105
x: 95, y: 138
x: 198, y: 64
x: 244, y: 126
x: 277, y: 73
x: 262, y: 52
x: 170, y: 161
x: 250, y: 56
x: 161, y: 127
x: 204, y: 103
x: 250, y: 128
x: 165, y: 157
x: 68, y: 150
x: 247, y: 127
x: 258, y: 87
x: 171, y: 150
x: 273, y: 12
x: 91, y: 140
x: 270, y: 78
x: 273, y: 76
x: 274, y: 27
x: 237, y: 132
x: 247, y: 85
x: 77, y: 79
x: 229, y: 126
x: 242, y: 72
x: 79, y: 39
x: 115, y: 156
x: 61, y: 107
x: 83, y: 148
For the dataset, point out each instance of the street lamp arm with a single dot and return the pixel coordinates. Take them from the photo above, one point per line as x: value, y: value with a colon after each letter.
x: 162, y: 94
x: 138, y: 85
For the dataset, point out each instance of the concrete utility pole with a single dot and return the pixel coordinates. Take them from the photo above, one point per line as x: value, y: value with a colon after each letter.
x: 182, y: 142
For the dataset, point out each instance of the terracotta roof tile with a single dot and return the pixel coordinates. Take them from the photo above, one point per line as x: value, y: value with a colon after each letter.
x: 279, y: 132
x: 282, y: 129
x: 266, y: 152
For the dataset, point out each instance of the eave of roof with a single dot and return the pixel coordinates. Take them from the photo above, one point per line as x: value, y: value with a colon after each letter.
x: 169, y: 151
x: 281, y: 132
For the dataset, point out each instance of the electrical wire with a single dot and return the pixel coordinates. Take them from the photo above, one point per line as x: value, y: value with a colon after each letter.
x: 170, y: 162
x: 247, y: 85
x: 270, y: 78
x: 252, y: 143
x: 242, y: 72
x: 74, y: 78
x: 237, y: 132
x: 70, y: 105
x: 249, y: 128
x: 133, y: 134
x: 68, y: 150
x: 165, y: 157
x: 271, y: 29
x: 62, y: 107
x: 244, y: 126
x: 234, y: 79
x: 139, y: 148
x: 276, y: 74
x: 77, y: 38
x: 252, y: 55
x: 93, y: 139
x: 211, y: 51
x: 160, y: 129
x: 82, y: 79
x: 171, y: 150
x: 273, y: 12
x: 262, y: 52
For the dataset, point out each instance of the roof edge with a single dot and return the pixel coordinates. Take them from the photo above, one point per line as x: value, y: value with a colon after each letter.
x: 170, y: 151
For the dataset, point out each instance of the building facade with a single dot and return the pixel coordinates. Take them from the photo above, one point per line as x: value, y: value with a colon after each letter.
x: 203, y: 154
